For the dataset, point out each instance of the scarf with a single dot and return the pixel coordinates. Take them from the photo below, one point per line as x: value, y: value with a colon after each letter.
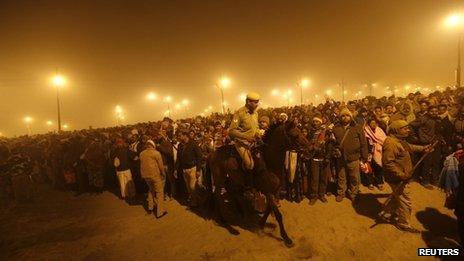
x: 375, y: 138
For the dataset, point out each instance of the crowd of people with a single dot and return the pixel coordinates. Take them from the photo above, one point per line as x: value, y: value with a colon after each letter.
x: 370, y: 142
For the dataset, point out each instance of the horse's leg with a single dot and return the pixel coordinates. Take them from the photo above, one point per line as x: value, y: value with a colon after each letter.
x: 220, y: 217
x: 288, y: 242
x: 263, y: 220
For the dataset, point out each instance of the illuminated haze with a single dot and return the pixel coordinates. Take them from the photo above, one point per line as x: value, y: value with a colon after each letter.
x: 115, y: 52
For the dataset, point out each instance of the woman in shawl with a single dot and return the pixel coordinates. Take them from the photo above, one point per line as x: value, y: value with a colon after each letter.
x: 375, y: 138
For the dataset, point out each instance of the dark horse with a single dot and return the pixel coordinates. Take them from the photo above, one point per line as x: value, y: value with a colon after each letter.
x: 228, y: 179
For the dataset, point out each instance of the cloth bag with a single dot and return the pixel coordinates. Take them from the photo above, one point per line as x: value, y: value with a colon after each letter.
x: 290, y: 165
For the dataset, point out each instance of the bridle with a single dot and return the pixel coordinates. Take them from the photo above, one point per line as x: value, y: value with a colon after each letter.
x: 292, y: 144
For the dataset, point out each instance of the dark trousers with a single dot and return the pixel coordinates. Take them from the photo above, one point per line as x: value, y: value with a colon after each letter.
x: 82, y: 179
x: 170, y: 184
x: 318, y: 179
x: 375, y: 178
x: 431, y: 167
x: 348, y: 178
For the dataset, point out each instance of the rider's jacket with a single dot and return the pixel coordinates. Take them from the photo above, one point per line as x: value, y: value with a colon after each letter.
x: 244, y: 126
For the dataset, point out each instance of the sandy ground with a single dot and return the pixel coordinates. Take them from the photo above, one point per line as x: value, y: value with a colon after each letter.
x: 60, y: 226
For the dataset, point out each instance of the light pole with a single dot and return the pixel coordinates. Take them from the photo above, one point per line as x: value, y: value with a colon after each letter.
x: 151, y: 96
x: 168, y: 100
x: 457, y: 20
x: 458, y: 68
x: 119, y: 116
x: 328, y: 93
x: 342, y: 84
x: 58, y: 82
x: 224, y: 82
x: 178, y: 107
x: 49, y: 125
x: 302, y: 84
x: 287, y: 96
x: 28, y: 120
x: 185, y: 104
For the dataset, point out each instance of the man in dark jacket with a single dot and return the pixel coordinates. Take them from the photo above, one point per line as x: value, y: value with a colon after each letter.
x: 189, y: 161
x: 351, y: 148
x: 165, y: 147
x: 447, y: 127
x: 397, y: 167
x: 429, y: 129
x: 321, y: 148
x: 361, y: 117
x: 135, y: 148
x: 423, y: 108
x: 120, y: 159
x: 94, y: 158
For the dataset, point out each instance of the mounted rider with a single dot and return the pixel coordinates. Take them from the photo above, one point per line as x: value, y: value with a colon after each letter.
x: 243, y: 130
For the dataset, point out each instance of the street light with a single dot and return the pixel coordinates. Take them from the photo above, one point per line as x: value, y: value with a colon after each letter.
x: 303, y: 84
x: 454, y: 20
x: 151, y: 96
x: 65, y: 126
x: 118, y: 109
x: 224, y: 82
x: 242, y: 96
x: 457, y: 21
x: 28, y: 120
x: 58, y: 81
x: 185, y: 104
x: 49, y: 124
x: 344, y: 92
x: 119, y: 114
x: 287, y: 96
x: 275, y: 92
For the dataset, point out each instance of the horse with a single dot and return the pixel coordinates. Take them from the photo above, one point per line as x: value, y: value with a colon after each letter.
x: 229, y: 180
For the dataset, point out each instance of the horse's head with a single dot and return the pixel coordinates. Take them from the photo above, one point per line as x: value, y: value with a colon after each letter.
x: 295, y: 140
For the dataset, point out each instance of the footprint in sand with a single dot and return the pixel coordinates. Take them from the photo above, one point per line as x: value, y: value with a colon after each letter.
x: 304, y: 249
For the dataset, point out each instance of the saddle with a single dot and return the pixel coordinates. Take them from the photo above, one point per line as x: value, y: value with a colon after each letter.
x: 233, y: 160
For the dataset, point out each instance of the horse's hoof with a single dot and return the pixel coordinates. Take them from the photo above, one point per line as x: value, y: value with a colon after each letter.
x: 233, y: 231
x: 289, y: 243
